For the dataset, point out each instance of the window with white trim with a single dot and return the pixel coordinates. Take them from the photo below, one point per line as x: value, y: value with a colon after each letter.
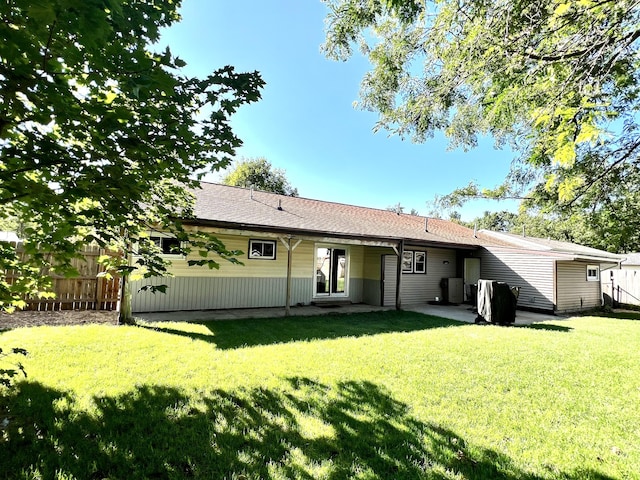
x: 262, y: 249
x: 593, y: 273
x: 414, y: 261
x: 407, y: 261
x: 419, y: 262
x: 167, y: 245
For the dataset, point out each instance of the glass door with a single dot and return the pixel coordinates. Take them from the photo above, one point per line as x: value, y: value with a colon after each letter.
x: 331, y: 271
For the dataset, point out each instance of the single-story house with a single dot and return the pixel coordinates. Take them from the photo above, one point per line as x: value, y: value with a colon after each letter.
x: 300, y: 251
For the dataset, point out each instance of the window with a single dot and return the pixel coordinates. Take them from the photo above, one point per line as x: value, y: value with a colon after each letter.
x: 167, y: 245
x: 420, y: 262
x: 407, y: 261
x: 414, y: 261
x: 263, y: 249
x: 593, y: 273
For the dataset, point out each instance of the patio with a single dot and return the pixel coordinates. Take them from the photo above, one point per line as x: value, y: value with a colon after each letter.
x: 462, y: 313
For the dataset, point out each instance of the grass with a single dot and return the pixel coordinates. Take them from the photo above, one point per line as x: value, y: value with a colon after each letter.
x: 383, y: 395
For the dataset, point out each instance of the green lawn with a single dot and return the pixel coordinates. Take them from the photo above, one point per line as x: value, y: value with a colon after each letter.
x: 388, y: 395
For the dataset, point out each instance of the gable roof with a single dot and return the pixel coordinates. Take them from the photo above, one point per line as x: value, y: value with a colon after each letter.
x: 240, y: 208
x: 570, y: 251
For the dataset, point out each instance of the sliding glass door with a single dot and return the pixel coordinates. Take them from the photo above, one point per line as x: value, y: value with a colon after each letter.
x: 331, y: 271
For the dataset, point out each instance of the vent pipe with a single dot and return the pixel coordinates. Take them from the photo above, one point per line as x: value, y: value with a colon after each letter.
x: 426, y: 224
x: 251, y: 192
x: 523, y: 232
x: 279, y: 204
x: 475, y: 230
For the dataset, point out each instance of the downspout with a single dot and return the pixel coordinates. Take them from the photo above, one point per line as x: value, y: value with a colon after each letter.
x: 399, y: 274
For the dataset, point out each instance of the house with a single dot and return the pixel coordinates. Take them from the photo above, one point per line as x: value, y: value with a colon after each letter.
x: 552, y: 275
x: 300, y: 251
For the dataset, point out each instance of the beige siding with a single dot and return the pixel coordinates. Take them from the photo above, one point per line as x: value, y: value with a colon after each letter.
x: 257, y: 283
x: 372, y: 262
x: 574, y: 291
x: 420, y: 288
x: 372, y: 273
x: 301, y: 266
x: 356, y: 254
x: 534, y: 274
x: 390, y: 269
x: 441, y: 264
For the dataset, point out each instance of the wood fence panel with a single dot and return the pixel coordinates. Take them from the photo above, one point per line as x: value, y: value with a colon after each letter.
x: 87, y: 291
x: 622, y: 286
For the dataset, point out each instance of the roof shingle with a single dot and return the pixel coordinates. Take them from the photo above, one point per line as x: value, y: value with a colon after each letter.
x: 224, y: 205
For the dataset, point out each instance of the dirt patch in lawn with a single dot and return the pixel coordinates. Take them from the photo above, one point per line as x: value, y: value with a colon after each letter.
x: 63, y: 317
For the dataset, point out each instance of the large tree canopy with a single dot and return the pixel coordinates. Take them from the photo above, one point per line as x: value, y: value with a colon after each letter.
x: 101, y: 136
x: 260, y: 174
x: 556, y: 80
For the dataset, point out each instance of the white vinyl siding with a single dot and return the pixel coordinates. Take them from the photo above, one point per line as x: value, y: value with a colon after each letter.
x: 575, y: 292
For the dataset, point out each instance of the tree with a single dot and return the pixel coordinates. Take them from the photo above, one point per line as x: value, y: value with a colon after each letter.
x: 102, y: 138
x: 260, y: 174
x: 557, y: 81
x: 398, y: 208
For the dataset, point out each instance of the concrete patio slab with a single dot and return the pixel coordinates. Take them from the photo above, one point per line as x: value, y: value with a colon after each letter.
x: 461, y: 313
x: 245, y: 313
x: 465, y: 313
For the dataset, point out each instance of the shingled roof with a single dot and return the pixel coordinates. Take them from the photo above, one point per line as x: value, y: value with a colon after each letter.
x: 569, y: 250
x: 241, y: 208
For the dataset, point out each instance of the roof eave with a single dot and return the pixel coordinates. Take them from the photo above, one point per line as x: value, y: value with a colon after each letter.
x: 329, y: 234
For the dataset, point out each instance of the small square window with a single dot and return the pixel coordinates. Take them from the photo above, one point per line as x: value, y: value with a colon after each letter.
x: 420, y: 262
x: 263, y: 249
x: 407, y: 261
x: 593, y: 273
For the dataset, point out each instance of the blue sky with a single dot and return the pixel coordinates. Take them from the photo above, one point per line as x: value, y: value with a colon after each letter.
x: 305, y: 122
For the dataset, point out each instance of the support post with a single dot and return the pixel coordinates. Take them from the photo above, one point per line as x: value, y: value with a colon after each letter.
x: 399, y: 275
x: 287, y: 307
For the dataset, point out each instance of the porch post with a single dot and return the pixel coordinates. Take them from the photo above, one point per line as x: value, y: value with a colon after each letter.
x: 287, y: 307
x: 399, y: 275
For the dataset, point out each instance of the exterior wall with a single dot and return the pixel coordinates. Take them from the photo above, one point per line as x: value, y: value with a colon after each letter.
x: 574, y: 292
x: 534, y: 274
x: 208, y: 293
x: 372, y: 273
x: 419, y: 287
x: 257, y: 283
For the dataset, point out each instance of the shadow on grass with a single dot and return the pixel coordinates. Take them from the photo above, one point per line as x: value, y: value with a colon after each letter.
x: 231, y: 334
x: 546, y: 326
x: 621, y: 315
x: 306, y: 430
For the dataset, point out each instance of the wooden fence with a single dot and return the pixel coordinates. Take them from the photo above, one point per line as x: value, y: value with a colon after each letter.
x: 87, y: 291
x: 621, y: 287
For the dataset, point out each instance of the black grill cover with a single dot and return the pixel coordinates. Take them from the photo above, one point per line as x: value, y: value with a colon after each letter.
x: 496, y: 302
